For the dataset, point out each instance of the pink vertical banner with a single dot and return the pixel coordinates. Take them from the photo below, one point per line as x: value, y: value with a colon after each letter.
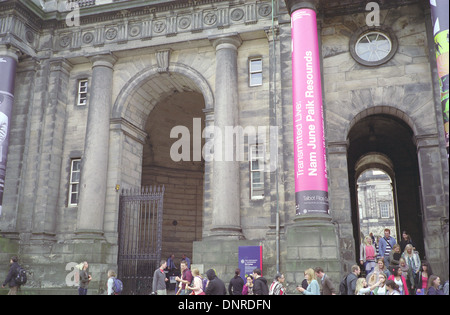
x: 311, y: 185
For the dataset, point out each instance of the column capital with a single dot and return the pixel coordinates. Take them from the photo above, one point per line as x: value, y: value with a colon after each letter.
x: 60, y: 64
x: 293, y: 5
x: 105, y: 60
x: 10, y: 51
x: 231, y: 40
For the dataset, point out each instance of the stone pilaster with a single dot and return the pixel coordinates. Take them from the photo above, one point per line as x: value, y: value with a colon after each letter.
x: 94, y: 167
x: 435, y: 214
x: 49, y: 173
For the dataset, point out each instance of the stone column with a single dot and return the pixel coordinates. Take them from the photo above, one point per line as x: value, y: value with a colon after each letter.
x: 8, y: 65
x: 311, y: 184
x: 226, y: 220
x: 94, y: 167
x: 312, y: 239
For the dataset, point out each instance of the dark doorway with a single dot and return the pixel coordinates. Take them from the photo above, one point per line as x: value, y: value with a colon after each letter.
x: 388, y: 136
x: 182, y: 179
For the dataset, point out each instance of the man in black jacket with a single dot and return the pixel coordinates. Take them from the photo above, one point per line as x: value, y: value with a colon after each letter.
x: 260, y: 286
x: 11, y: 277
x: 215, y: 286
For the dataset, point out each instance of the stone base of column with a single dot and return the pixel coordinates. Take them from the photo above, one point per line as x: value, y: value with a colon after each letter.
x: 89, y: 235
x: 226, y: 233
x: 221, y: 255
x: 312, y: 241
x: 52, y: 265
x: 313, y: 220
x: 43, y: 237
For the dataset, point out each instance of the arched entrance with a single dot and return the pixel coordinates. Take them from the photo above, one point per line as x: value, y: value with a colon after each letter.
x: 147, y: 109
x: 376, y: 196
x: 385, y: 142
x: 182, y: 179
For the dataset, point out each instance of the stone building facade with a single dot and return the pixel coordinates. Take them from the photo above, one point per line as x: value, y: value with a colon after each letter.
x: 376, y: 204
x: 101, y: 85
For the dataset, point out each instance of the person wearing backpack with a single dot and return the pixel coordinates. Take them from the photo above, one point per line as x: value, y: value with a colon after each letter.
x: 348, y: 284
x: 115, y: 286
x: 11, y: 277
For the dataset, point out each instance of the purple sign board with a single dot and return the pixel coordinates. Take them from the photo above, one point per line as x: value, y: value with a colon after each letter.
x: 250, y: 257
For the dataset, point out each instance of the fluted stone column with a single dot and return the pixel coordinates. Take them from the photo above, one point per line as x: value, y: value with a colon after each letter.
x: 226, y: 220
x: 94, y: 167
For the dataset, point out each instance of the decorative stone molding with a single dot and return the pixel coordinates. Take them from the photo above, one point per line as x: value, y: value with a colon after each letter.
x: 149, y: 26
x: 232, y: 41
x: 128, y: 129
x: 104, y: 60
x: 293, y: 5
x: 163, y: 60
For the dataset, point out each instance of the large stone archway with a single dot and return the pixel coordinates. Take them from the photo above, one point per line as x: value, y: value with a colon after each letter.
x: 177, y: 77
x: 388, y: 136
x: 148, y: 106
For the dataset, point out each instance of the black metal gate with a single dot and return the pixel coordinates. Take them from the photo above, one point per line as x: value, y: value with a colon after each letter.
x: 140, y: 238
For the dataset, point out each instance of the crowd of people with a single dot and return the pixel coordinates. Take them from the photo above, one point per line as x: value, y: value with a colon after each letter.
x: 393, y: 268
x: 388, y: 268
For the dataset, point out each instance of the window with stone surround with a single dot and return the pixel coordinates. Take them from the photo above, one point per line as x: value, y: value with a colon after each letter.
x: 255, y: 71
x: 82, y: 92
x: 256, y: 160
x: 74, y: 182
x: 384, y: 209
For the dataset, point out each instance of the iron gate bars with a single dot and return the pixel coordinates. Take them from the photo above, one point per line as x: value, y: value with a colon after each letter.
x: 140, y: 237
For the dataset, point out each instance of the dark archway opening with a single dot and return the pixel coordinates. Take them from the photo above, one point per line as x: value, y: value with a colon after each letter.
x: 389, y: 136
x: 183, y: 180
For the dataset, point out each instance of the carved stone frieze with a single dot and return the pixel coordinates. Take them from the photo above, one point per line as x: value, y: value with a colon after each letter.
x: 20, y: 32
x: 169, y: 23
